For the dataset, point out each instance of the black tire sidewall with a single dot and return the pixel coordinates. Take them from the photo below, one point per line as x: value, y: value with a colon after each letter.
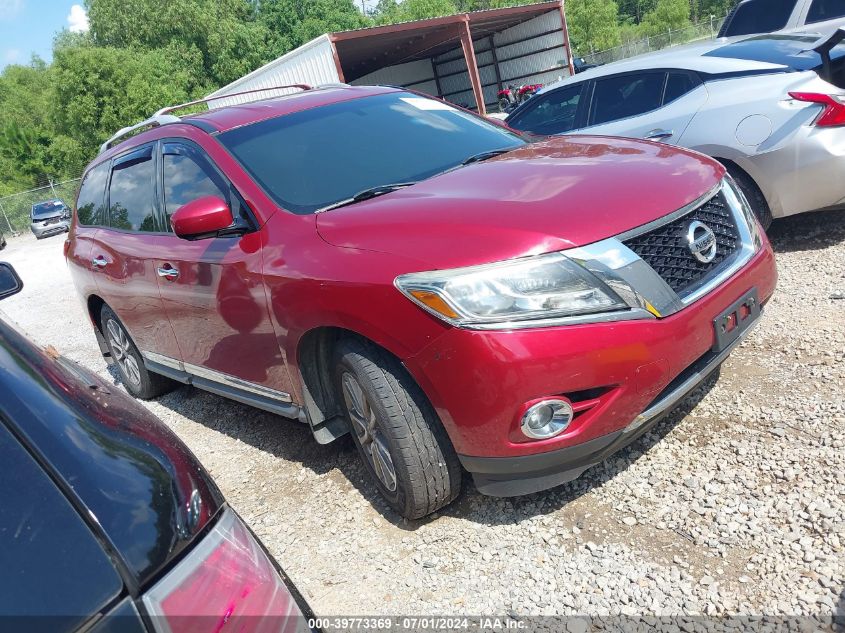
x: 397, y: 498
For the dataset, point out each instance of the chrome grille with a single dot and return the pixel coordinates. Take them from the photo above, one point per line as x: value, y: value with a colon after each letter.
x: 665, y: 248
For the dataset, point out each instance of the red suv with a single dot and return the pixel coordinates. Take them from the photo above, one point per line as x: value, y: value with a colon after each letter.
x: 367, y: 259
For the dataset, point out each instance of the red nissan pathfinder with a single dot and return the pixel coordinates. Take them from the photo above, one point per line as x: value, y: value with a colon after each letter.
x: 373, y: 261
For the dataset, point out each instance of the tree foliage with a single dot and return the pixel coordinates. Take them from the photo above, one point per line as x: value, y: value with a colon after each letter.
x: 141, y: 55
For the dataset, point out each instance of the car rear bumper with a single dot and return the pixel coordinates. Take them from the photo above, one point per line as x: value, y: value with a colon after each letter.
x: 50, y: 229
x: 804, y: 174
x: 480, y: 381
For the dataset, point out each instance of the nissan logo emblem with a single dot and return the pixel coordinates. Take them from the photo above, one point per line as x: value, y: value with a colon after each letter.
x: 701, y: 241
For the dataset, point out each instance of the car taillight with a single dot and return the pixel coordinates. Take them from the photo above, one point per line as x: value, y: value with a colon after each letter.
x: 833, y: 113
x: 226, y: 583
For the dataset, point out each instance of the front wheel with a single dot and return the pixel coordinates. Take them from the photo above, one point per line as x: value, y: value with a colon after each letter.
x: 137, y: 379
x: 396, y: 431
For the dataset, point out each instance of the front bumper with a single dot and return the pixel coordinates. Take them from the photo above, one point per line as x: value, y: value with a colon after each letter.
x: 51, y: 229
x: 479, y: 381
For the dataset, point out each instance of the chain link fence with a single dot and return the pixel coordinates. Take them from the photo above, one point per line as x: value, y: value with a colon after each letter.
x: 706, y: 29
x: 15, y: 209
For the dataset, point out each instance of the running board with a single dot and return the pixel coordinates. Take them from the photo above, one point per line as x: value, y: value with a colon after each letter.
x: 274, y: 402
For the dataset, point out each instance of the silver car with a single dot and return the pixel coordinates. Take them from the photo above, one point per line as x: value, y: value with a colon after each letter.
x: 49, y: 217
x: 771, y: 108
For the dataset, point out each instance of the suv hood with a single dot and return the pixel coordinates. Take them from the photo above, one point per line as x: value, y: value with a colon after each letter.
x: 551, y: 195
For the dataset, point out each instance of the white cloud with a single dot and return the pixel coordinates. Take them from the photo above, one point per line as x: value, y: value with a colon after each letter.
x: 11, y: 56
x: 10, y: 8
x: 77, y: 19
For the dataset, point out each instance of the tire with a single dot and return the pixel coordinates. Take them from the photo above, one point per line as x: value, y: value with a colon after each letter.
x: 755, y: 197
x: 389, y: 415
x: 136, y: 378
x: 504, y: 105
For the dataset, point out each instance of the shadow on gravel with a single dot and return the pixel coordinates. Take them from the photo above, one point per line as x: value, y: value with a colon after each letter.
x: 292, y: 442
x: 808, y: 231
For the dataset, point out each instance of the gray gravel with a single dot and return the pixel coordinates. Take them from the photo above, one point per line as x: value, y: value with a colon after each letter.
x: 733, y: 505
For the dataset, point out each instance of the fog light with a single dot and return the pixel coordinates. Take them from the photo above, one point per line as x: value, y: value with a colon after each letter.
x: 546, y: 419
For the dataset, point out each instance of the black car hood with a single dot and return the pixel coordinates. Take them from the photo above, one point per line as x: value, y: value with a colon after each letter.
x: 139, y: 484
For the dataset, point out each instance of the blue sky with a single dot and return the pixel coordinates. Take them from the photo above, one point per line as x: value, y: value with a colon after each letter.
x: 28, y: 26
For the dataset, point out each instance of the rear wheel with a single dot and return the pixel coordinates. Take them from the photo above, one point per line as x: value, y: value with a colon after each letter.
x: 137, y: 379
x: 752, y: 193
x: 396, y: 431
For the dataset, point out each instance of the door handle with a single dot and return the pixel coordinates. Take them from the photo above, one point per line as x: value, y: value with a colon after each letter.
x: 656, y: 135
x: 168, y: 272
x: 99, y: 262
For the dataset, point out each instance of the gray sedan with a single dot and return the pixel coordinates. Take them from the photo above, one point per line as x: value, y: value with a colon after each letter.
x: 49, y: 218
x: 771, y: 108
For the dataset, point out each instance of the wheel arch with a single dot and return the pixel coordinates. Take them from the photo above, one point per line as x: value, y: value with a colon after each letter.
x: 94, y: 304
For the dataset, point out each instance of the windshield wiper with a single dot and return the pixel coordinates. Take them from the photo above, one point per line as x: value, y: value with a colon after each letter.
x: 366, y: 194
x: 477, y: 158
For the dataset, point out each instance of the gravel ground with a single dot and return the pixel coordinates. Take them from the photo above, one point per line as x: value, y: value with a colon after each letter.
x: 732, y: 505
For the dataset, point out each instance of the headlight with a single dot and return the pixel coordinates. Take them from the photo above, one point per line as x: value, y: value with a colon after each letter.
x: 737, y: 200
x: 541, y: 287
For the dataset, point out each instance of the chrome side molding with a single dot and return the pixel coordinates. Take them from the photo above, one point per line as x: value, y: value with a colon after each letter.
x: 217, y: 376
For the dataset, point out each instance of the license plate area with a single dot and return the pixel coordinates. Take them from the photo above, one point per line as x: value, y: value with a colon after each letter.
x: 730, y: 325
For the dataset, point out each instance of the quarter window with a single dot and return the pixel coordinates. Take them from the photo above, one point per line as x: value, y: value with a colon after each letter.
x: 90, y: 206
x: 677, y: 85
x: 821, y: 10
x: 132, y: 193
x: 626, y: 96
x: 551, y: 113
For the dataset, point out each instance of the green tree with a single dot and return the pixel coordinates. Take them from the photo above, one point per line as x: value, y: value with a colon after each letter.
x: 667, y: 14
x: 391, y: 12
x: 593, y: 25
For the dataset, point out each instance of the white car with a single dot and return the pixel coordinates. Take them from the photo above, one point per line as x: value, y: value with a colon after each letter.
x: 784, y: 16
x: 771, y: 108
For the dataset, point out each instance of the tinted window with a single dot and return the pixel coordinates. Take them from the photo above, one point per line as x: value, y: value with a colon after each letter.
x: 821, y: 10
x: 188, y: 177
x: 758, y: 16
x: 677, y: 85
x: 90, y: 202
x: 52, y: 564
x: 550, y: 113
x: 626, y: 96
x: 131, y: 194
x: 310, y: 159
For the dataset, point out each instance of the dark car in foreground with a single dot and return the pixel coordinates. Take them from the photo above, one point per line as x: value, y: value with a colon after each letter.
x: 373, y: 261
x: 49, y: 218
x: 107, y: 521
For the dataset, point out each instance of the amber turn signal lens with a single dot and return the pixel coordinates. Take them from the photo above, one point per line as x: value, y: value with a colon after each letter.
x: 435, y: 302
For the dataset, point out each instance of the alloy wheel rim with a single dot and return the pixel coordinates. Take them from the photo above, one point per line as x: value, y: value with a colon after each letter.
x: 122, y: 354
x: 365, y: 426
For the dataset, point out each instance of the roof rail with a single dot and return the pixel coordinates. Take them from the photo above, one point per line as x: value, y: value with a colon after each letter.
x: 154, y: 121
x: 165, y: 116
x: 170, y: 109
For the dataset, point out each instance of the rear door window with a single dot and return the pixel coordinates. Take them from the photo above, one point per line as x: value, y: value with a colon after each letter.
x: 132, y: 192
x: 758, y: 16
x: 679, y: 84
x: 821, y: 10
x: 554, y: 112
x: 53, y: 566
x: 90, y: 205
x: 625, y: 96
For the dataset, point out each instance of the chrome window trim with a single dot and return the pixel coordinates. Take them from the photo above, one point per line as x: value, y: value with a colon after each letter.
x: 217, y: 376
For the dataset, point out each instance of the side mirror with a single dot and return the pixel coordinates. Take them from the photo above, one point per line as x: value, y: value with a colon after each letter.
x: 201, y: 218
x: 10, y: 283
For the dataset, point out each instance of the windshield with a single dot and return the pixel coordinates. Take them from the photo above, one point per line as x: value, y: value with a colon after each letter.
x: 312, y: 159
x: 47, y: 209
